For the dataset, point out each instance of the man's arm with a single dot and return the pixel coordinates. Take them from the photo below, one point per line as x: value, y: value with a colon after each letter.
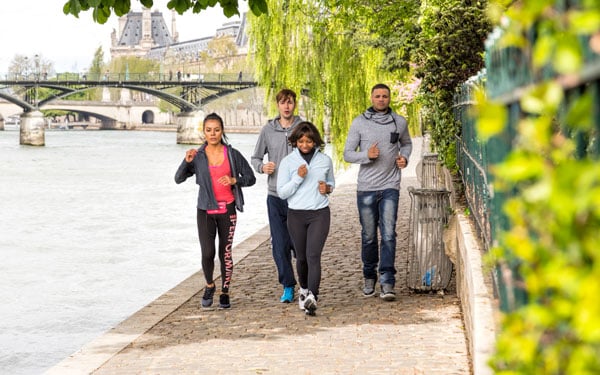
x: 351, y: 154
x: 405, y: 142
x: 259, y: 152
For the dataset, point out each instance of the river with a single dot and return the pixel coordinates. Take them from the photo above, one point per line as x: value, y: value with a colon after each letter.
x: 93, y: 228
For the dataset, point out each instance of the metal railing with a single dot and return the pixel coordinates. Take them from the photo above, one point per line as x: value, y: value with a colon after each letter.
x: 505, y: 79
x: 121, y: 77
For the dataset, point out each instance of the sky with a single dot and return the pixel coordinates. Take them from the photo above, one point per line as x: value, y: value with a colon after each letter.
x: 29, y: 28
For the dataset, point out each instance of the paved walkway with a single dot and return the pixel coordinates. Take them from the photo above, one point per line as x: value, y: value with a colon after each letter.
x: 351, y: 334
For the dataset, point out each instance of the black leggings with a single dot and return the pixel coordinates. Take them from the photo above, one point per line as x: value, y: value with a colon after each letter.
x: 308, y: 230
x: 208, y: 226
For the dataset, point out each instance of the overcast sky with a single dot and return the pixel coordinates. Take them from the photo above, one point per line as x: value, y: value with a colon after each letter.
x: 40, y: 27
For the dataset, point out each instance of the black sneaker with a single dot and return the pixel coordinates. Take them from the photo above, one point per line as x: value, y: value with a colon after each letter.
x: 207, y: 298
x: 224, y: 301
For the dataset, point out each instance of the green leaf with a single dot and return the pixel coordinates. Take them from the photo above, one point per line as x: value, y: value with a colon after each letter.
x: 580, y: 115
x: 543, y: 98
x: 230, y: 11
x: 542, y: 51
x: 147, y: 3
x: 569, y: 56
x: 584, y: 22
x: 180, y: 6
x: 72, y: 7
x: 519, y: 168
x: 121, y: 8
x: 258, y: 7
x: 491, y: 117
x: 101, y: 14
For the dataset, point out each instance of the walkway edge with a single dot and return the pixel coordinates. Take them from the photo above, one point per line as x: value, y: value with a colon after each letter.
x: 476, y: 296
x: 97, y: 352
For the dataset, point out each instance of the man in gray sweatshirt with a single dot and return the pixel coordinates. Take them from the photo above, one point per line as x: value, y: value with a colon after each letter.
x: 379, y: 141
x: 273, y: 141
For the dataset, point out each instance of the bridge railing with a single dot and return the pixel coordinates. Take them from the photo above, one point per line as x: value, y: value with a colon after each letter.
x: 123, y: 77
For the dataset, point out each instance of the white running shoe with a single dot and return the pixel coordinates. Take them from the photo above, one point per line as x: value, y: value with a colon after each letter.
x: 302, y: 293
x: 310, y: 304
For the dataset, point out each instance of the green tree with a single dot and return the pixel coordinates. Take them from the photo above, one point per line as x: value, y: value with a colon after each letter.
x: 132, y: 68
x: 103, y: 9
x: 96, y: 72
x: 338, y: 49
x: 448, y: 50
x: 221, y: 52
x: 313, y: 47
x: 97, y: 66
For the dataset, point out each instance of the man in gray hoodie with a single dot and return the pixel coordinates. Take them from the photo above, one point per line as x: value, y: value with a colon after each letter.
x: 273, y: 141
x: 379, y: 141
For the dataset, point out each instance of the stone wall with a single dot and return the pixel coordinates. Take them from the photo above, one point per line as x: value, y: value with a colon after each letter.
x: 474, y: 285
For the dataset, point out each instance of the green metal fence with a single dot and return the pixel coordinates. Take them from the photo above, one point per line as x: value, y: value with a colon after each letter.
x: 507, y: 75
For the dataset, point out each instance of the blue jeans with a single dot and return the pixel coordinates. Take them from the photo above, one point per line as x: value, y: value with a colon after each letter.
x: 378, y: 209
x: 281, y: 242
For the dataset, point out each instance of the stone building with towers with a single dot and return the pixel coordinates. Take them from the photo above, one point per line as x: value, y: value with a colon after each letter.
x: 146, y: 34
x: 139, y: 32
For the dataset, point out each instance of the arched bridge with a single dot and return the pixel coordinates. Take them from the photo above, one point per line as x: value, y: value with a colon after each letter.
x: 188, y: 92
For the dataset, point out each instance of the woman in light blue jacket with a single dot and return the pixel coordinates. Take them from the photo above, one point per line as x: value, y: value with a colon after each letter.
x: 306, y: 179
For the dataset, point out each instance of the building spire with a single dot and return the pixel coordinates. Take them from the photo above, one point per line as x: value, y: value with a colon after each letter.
x: 174, y: 27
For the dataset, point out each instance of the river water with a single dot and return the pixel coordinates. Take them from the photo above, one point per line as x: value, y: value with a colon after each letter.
x: 93, y: 228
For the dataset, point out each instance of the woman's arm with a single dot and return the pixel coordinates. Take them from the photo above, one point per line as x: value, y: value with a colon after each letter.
x: 244, y: 173
x: 288, y: 180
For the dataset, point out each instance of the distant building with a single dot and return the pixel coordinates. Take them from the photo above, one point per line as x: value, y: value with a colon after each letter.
x: 145, y: 34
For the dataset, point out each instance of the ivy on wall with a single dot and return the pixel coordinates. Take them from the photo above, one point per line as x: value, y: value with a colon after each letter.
x: 449, y: 50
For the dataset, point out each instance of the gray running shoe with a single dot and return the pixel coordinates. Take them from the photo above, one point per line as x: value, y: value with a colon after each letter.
x: 207, y: 298
x: 387, y: 292
x: 369, y: 288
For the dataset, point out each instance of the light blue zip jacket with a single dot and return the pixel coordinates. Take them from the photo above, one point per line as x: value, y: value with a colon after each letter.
x: 303, y: 193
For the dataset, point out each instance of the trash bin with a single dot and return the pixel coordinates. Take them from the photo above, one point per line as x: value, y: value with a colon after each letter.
x: 429, y: 173
x: 429, y: 268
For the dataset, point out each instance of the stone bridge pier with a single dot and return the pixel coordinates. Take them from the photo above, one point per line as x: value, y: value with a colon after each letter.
x: 189, y: 127
x: 32, y: 129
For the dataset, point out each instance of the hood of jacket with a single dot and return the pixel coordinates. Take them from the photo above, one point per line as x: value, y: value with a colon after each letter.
x: 382, y: 118
x: 276, y: 125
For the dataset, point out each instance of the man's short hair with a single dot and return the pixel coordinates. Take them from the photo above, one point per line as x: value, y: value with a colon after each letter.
x: 380, y: 86
x: 285, y: 94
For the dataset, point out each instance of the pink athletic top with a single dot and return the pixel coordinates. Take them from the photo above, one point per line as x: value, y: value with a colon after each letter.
x: 222, y: 192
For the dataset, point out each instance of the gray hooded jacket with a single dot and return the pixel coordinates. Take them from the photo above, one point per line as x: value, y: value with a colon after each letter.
x: 273, y: 140
x: 390, y: 131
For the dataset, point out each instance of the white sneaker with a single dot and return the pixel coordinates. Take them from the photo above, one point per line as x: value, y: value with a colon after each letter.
x: 310, y: 304
x: 302, y: 293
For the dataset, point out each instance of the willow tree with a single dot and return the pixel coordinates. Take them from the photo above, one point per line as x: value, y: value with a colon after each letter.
x: 315, y: 47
